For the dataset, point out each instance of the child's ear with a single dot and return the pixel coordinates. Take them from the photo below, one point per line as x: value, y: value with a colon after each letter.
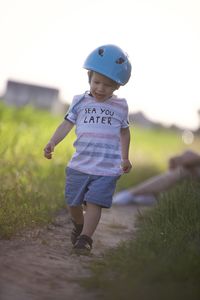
x: 89, y: 76
x: 117, y: 86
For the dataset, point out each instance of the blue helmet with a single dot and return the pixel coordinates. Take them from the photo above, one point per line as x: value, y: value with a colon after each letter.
x: 110, y: 61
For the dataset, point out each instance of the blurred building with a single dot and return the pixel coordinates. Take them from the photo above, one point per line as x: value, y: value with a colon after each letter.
x: 20, y: 94
x: 140, y: 119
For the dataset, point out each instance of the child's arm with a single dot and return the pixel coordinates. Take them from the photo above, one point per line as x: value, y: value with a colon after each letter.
x: 62, y: 130
x: 125, y: 143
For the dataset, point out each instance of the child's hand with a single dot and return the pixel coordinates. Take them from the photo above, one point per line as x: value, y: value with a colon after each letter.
x: 49, y: 149
x: 126, y: 165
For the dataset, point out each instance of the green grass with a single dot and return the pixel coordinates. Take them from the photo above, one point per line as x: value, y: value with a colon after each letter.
x: 162, y: 261
x: 32, y: 187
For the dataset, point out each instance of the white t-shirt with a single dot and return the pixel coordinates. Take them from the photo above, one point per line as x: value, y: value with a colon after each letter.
x: 98, y: 124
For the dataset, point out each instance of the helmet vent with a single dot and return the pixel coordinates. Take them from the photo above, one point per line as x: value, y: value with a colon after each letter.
x: 101, y: 51
x: 120, y: 60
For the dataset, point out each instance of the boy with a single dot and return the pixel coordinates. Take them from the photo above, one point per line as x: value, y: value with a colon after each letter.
x: 102, y: 144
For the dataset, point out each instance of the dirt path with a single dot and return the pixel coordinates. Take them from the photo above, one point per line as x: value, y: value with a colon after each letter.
x: 39, y: 265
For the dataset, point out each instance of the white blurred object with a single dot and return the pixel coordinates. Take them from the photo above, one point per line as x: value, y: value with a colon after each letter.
x: 188, y: 137
x: 144, y: 199
x: 126, y: 197
x: 123, y: 198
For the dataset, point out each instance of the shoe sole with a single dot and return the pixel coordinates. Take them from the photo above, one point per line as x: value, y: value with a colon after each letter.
x: 84, y: 252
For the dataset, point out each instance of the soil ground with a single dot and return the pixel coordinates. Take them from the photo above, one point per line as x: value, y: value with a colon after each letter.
x: 39, y: 264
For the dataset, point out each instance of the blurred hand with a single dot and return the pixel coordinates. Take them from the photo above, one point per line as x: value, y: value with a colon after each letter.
x: 126, y: 165
x: 49, y: 148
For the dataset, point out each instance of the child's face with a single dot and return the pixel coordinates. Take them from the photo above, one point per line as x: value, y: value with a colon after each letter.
x: 102, y: 87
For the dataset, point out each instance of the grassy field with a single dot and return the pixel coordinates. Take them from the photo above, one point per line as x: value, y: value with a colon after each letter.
x: 32, y: 187
x: 162, y: 261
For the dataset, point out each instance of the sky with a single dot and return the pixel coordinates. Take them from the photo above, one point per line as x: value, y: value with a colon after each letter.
x: 45, y: 42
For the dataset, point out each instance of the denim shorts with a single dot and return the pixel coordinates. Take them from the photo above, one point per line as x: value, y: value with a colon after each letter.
x: 81, y: 187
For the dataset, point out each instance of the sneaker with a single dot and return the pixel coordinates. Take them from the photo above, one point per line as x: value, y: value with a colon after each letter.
x: 123, y: 198
x: 145, y: 199
x: 126, y: 197
x: 76, y: 231
x: 83, y: 245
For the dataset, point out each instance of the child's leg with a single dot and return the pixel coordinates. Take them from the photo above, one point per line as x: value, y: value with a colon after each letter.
x: 83, y: 242
x: 91, y: 219
x: 76, y: 213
